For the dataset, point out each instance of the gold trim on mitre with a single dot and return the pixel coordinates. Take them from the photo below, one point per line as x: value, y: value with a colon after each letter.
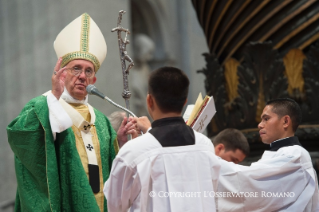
x: 81, y: 55
x: 81, y: 39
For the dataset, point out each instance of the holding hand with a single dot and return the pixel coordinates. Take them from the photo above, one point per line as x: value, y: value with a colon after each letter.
x: 142, y: 123
x: 125, y: 129
x: 58, y: 78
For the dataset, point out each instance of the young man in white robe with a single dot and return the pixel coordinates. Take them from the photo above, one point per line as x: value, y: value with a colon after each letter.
x: 171, y: 166
x: 276, y: 182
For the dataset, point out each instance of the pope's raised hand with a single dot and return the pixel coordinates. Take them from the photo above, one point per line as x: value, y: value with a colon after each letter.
x: 58, y: 78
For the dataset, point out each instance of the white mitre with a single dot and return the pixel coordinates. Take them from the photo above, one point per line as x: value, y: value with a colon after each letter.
x: 81, y: 39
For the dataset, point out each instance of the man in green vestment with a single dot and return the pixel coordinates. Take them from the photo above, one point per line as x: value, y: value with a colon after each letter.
x: 64, y: 147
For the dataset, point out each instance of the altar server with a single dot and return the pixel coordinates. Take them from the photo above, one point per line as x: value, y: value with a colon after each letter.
x: 276, y: 182
x: 171, y: 166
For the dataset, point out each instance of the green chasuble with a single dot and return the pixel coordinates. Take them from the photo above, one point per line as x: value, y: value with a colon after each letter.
x: 49, y: 173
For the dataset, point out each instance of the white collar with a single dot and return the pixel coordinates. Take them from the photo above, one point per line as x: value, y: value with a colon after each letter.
x: 69, y: 99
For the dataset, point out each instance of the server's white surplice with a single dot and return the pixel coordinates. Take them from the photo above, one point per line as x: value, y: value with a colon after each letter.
x: 147, y: 177
x: 282, y: 180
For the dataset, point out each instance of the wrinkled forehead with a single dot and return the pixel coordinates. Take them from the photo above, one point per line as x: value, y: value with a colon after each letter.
x: 81, y: 62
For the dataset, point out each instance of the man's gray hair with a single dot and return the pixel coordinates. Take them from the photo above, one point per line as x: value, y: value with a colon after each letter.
x: 116, y: 119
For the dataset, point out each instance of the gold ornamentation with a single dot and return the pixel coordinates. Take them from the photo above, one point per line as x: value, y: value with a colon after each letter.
x: 234, y: 17
x: 84, y: 46
x: 81, y: 55
x: 257, y: 26
x: 247, y: 19
x: 286, y: 19
x: 214, y: 126
x: 210, y: 13
x: 219, y: 19
x: 261, y: 99
x: 231, y: 78
x: 116, y: 145
x: 309, y: 41
x: 85, y: 31
x: 293, y: 62
x: 296, y: 31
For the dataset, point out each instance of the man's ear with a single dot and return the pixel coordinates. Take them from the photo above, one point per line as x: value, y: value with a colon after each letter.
x: 149, y: 101
x: 94, y: 79
x: 218, y: 148
x: 286, y: 121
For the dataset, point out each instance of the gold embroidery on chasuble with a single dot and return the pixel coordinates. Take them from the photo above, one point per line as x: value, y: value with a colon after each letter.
x: 84, y: 111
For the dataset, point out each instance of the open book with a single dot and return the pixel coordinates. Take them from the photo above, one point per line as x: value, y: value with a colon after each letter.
x: 199, y: 115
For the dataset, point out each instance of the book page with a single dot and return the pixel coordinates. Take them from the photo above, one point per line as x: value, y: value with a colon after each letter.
x: 200, y: 109
x: 196, y: 108
x: 188, y: 112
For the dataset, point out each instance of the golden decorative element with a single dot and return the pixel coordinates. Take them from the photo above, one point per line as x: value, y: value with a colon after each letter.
x: 286, y: 19
x: 230, y: 22
x: 211, y: 9
x: 81, y: 55
x: 84, y: 111
x: 231, y: 78
x: 296, y: 31
x: 259, y: 24
x: 214, y: 126
x: 116, y: 145
x: 202, y: 8
x: 217, y: 22
x: 242, y: 25
x: 84, y: 46
x: 293, y: 62
x: 261, y: 100
x: 85, y: 32
x: 309, y: 41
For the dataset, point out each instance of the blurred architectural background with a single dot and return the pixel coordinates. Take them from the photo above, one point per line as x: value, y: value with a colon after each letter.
x: 168, y: 30
x: 258, y: 51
